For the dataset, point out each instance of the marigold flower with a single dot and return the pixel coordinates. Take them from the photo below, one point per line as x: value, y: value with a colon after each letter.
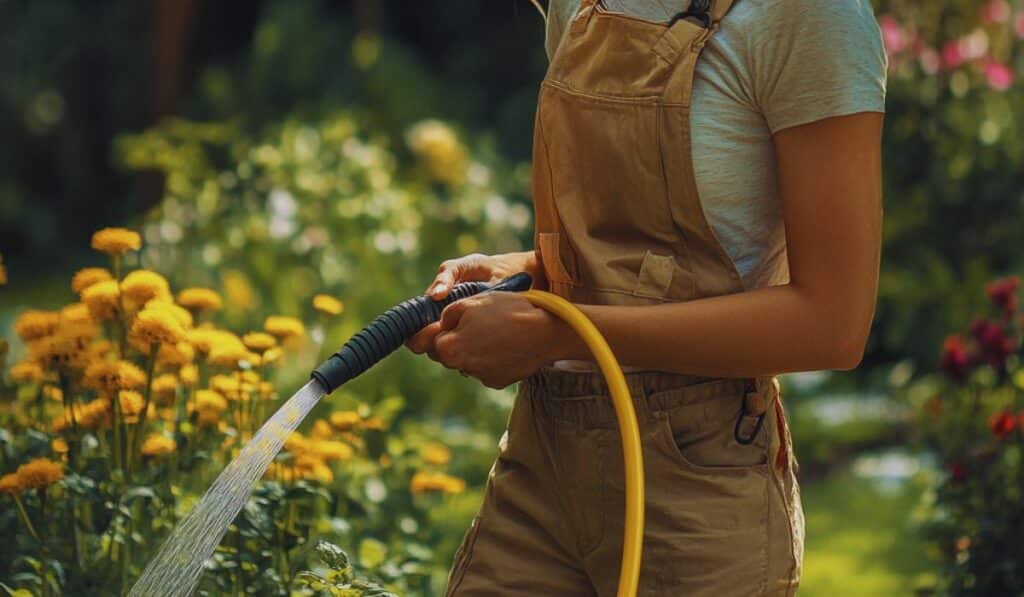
x: 95, y: 414
x: 423, y: 482
x: 53, y: 393
x: 1002, y: 424
x: 66, y: 350
x: 321, y: 430
x: 272, y: 355
x: 227, y: 385
x: 76, y: 313
x: 11, y: 484
x: 209, y: 401
x: 332, y: 451
x: 165, y: 388
x: 116, y: 241
x: 39, y: 473
x: 182, y: 315
x: 142, y: 286
x: 34, y: 324
x: 59, y: 446
x: 158, y: 445
x: 87, y: 277
x: 103, y: 300
x: 344, y: 420
x: 199, y: 299
x: 311, y: 468
x: 437, y: 144
x: 227, y: 354
x: 26, y: 372
x: 175, y: 355
x: 435, y: 453
x: 283, y: 326
x: 328, y: 305
x: 111, y: 376
x: 374, y: 424
x: 157, y: 326
x: 132, y: 404
x: 204, y: 339
x: 189, y: 375
x: 259, y: 341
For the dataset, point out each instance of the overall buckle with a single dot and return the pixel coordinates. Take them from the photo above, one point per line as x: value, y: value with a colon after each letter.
x: 755, y: 404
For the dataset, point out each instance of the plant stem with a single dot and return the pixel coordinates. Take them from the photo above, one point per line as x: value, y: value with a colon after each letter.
x: 25, y: 519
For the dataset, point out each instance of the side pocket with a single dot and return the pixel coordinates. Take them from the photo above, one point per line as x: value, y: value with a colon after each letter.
x: 552, y: 257
x: 655, y: 277
x: 700, y: 437
x: 462, y: 557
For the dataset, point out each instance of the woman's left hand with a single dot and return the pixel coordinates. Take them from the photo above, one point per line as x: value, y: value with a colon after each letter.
x: 498, y: 338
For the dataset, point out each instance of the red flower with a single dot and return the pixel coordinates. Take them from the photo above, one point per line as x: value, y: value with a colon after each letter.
x: 995, y: 344
x: 955, y: 362
x: 1002, y: 423
x: 958, y: 471
x: 1003, y: 293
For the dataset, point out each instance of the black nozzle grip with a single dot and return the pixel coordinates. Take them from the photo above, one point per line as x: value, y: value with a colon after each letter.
x: 391, y: 329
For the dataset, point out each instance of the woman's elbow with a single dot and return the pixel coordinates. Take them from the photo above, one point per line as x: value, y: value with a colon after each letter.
x: 850, y: 342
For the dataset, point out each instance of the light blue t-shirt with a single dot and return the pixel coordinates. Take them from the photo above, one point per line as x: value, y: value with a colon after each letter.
x: 773, y: 64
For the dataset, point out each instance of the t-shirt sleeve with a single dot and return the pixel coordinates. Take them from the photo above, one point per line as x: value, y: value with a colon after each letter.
x: 814, y: 59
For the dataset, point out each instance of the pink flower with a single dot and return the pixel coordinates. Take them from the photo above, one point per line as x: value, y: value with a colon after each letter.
x: 930, y: 60
x: 999, y: 76
x: 893, y: 34
x: 1018, y: 24
x: 952, y: 56
x: 995, y: 11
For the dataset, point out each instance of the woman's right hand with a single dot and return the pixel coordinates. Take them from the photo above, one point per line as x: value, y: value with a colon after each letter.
x: 475, y: 267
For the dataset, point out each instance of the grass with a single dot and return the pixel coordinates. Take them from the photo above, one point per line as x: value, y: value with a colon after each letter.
x: 860, y: 540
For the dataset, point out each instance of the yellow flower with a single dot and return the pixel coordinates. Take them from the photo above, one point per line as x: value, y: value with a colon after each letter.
x: 87, y: 277
x: 259, y: 341
x: 157, y: 326
x: 158, y: 445
x: 110, y: 376
x: 312, y: 468
x: 142, y: 286
x: 189, y: 375
x: 205, y: 338
x: 39, y: 473
x: 344, y: 420
x: 321, y: 430
x: 132, y: 403
x: 103, y: 300
x: 423, y: 482
x: 175, y: 355
x: 266, y: 390
x: 59, y: 446
x: 436, y: 143
x: 273, y: 355
x: 26, y: 372
x: 53, y: 393
x: 209, y: 401
x: 199, y: 299
x: 75, y: 313
x: 94, y: 414
x: 332, y: 450
x: 180, y: 314
x: 225, y: 384
x: 165, y: 388
x: 11, y: 484
x: 66, y: 350
x: 328, y: 305
x: 283, y: 326
x: 34, y: 324
x: 435, y: 453
x: 116, y: 241
x: 374, y: 424
x: 296, y: 443
x: 228, y: 354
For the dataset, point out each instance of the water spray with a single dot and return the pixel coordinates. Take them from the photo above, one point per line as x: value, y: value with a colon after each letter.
x: 177, y: 566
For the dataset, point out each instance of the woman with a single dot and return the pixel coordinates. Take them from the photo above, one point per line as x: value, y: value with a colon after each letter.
x: 706, y: 187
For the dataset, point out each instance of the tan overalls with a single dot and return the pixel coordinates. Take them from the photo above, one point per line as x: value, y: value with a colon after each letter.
x: 619, y: 221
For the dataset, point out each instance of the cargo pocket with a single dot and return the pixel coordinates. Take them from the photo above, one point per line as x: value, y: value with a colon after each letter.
x: 655, y: 277
x: 462, y: 557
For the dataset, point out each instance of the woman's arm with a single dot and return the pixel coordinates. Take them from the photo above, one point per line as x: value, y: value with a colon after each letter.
x: 829, y: 175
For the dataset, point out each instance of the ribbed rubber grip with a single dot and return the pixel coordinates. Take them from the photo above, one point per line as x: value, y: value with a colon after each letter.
x: 389, y: 331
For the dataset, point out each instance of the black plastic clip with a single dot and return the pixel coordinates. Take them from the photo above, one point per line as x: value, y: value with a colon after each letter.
x: 699, y: 9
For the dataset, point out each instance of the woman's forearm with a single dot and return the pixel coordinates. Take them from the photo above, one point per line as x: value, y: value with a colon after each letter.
x: 766, y: 331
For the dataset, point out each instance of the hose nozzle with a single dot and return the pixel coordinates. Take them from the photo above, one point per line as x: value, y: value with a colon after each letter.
x: 391, y: 329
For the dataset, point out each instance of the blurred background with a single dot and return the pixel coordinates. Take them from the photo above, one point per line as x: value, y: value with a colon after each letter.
x: 276, y: 149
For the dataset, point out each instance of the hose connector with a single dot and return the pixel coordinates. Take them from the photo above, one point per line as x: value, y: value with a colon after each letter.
x: 391, y: 329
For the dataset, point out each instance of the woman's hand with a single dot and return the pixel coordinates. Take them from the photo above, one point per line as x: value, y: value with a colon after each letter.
x: 475, y: 267
x: 498, y: 338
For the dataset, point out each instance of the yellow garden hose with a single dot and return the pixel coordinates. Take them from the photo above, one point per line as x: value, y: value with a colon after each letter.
x: 633, y: 538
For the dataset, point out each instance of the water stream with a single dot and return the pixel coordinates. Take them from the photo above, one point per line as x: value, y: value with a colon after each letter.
x: 177, y: 566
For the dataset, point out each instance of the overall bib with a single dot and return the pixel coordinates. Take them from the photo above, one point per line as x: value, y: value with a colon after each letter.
x: 619, y: 222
